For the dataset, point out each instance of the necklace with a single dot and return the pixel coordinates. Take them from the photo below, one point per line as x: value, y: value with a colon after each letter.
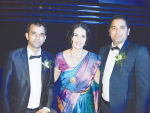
x: 78, y: 58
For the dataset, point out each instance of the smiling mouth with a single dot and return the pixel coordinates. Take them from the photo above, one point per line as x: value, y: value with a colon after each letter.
x: 36, y: 42
x: 78, y: 43
x: 118, y: 35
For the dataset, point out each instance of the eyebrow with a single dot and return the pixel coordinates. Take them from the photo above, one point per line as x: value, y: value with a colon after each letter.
x: 120, y: 26
x: 123, y: 26
x: 33, y: 32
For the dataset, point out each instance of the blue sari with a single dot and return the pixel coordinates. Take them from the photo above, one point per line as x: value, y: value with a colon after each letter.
x: 70, y: 99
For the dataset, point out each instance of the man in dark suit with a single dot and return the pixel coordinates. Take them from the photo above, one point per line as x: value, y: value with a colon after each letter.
x: 125, y: 72
x: 28, y: 80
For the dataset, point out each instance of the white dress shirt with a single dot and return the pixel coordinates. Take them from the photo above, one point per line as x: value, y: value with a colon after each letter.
x: 107, y: 72
x: 35, y: 79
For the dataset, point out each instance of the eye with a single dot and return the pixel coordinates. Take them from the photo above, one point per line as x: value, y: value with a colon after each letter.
x: 113, y: 28
x: 75, y: 35
x: 83, y: 36
x: 123, y: 27
x: 42, y: 34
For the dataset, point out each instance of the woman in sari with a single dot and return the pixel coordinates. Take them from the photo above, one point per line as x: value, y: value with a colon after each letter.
x: 79, y: 73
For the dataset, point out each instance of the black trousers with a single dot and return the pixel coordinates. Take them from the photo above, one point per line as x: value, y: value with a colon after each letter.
x: 105, y: 107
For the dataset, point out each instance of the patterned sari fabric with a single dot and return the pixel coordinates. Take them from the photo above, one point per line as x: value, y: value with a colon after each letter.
x: 70, y: 96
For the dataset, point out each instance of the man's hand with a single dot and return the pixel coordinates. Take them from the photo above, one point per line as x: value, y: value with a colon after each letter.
x: 42, y: 111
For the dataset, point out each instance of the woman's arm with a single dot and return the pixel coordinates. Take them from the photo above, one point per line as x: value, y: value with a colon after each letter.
x: 56, y: 74
x: 97, y: 76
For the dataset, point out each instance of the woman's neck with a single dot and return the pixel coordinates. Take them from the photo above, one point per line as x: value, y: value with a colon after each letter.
x: 77, y: 53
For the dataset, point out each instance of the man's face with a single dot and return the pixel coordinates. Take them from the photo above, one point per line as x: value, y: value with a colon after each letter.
x: 118, y: 31
x: 36, y: 37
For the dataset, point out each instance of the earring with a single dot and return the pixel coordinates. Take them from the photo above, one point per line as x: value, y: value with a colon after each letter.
x: 71, y: 41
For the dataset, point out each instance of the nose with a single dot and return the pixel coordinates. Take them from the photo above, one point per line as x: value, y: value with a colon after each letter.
x: 37, y: 36
x: 79, y: 38
x: 117, y: 30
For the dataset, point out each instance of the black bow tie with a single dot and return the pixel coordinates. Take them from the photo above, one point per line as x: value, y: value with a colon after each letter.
x: 31, y: 57
x: 112, y: 48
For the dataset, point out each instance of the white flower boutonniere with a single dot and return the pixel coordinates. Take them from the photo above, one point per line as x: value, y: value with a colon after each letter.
x: 119, y: 59
x: 47, y: 64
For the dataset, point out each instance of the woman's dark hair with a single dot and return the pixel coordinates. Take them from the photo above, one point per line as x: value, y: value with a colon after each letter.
x: 70, y: 33
x: 119, y: 17
x: 37, y: 23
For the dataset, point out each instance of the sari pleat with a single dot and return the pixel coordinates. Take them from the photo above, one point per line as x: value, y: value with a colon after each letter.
x: 85, y: 103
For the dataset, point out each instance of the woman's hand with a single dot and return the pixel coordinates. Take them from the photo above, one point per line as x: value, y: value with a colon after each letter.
x: 42, y: 111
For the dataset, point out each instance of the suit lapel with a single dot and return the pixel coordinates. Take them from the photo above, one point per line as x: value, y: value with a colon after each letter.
x: 103, y: 63
x: 104, y: 59
x: 124, y: 49
x: 24, y: 56
x: 43, y: 71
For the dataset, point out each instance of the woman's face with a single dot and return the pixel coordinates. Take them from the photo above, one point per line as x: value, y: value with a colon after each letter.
x: 79, y: 38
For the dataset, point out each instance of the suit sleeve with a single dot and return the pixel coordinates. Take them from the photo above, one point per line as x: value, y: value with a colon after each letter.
x: 7, y: 75
x: 101, y: 52
x: 142, y: 72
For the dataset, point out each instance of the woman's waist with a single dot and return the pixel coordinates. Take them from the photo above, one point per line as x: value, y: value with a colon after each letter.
x: 81, y: 92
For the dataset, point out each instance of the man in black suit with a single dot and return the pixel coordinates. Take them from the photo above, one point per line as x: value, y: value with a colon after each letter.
x: 28, y: 80
x: 125, y: 72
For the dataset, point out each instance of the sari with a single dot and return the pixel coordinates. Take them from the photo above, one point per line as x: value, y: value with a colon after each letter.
x: 75, y: 81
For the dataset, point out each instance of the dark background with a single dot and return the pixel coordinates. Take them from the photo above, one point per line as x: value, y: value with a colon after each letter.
x: 12, y: 36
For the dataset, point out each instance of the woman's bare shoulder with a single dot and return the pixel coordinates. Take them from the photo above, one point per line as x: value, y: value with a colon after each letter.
x: 66, y: 52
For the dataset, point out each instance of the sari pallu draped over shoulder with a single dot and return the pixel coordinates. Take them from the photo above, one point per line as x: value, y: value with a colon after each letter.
x: 83, y: 75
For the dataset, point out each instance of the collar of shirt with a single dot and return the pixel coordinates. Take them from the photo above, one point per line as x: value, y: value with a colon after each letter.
x: 31, y: 53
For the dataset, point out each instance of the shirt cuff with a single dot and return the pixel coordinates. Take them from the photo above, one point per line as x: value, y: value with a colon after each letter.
x: 47, y: 109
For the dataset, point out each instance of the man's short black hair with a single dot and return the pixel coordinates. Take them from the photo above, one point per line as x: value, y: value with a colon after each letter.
x: 37, y: 23
x: 119, y: 17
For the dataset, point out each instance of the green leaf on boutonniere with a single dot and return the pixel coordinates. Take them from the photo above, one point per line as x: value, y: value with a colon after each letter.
x: 119, y: 59
x: 47, y: 64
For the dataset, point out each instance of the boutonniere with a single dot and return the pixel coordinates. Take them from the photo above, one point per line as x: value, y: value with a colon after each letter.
x: 47, y: 64
x: 119, y: 59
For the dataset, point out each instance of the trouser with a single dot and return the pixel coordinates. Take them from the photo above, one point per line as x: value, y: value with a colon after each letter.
x: 105, y: 106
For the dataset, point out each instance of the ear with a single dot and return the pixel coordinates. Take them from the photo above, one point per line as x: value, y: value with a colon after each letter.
x: 71, y: 41
x: 109, y: 31
x: 128, y: 31
x: 45, y: 39
x: 26, y: 35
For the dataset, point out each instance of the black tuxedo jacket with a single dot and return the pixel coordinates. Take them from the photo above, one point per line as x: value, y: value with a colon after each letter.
x: 129, y: 90
x: 16, y: 82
